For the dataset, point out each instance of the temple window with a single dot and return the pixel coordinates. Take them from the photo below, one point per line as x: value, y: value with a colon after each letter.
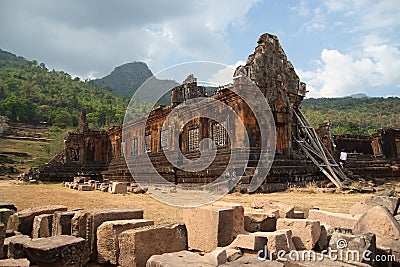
x: 219, y: 134
x: 193, y: 139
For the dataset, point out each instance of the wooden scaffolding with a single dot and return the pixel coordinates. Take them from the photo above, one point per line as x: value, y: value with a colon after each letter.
x: 315, y: 150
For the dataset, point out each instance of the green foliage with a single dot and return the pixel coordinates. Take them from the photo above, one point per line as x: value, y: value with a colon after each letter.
x: 31, y: 93
x: 362, y: 116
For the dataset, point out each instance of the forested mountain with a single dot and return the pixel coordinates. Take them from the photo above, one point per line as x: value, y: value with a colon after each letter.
x: 31, y: 93
x: 126, y: 79
x: 352, y: 115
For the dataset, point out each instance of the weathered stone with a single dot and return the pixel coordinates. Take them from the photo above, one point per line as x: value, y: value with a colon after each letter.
x: 6, y: 205
x: 10, y: 233
x: 80, y: 179
x: 344, y: 241
x: 305, y: 259
x: 4, y: 214
x: 285, y: 211
x: 277, y: 241
x: 57, y: 251
x: 380, y: 221
x: 253, y: 262
x: 22, y: 221
x: 332, y: 219
x: 391, y: 203
x: 299, y: 215
x: 16, y: 248
x: 233, y: 254
x: 107, y: 237
x: 397, y: 217
x: 249, y: 242
x: 177, y: 259
x: 85, y: 223
x: 392, y: 248
x: 2, y: 237
x: 42, y: 225
x: 238, y: 216
x: 305, y: 232
x: 322, y: 242
x: 208, y: 227
x: 85, y: 187
x: 289, y: 238
x: 118, y: 188
x: 138, y: 245
x: 216, y: 257
x: 14, y: 263
x: 257, y: 220
x: 62, y: 222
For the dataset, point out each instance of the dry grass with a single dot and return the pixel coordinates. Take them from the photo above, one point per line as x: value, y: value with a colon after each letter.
x: 25, y: 196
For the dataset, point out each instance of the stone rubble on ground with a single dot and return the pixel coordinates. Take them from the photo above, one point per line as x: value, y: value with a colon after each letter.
x: 219, y: 234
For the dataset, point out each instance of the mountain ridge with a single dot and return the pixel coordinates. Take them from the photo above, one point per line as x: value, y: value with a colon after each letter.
x: 125, y: 79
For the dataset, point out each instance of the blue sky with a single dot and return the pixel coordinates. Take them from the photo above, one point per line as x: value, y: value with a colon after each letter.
x: 338, y: 47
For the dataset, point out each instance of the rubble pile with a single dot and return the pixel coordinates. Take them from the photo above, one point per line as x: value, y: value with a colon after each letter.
x: 267, y: 233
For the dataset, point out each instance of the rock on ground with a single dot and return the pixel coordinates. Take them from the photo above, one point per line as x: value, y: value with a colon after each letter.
x: 305, y: 232
x: 22, y: 221
x: 138, y: 245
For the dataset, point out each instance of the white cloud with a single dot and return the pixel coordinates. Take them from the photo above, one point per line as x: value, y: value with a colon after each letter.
x: 224, y: 76
x: 91, y: 37
x: 344, y: 74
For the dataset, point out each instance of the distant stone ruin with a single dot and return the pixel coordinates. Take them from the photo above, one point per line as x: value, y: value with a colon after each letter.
x: 302, y: 154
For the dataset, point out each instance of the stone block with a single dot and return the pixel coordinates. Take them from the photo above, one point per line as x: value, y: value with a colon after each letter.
x: 85, y: 223
x: 322, y: 242
x: 138, y: 245
x: 42, y: 225
x: 62, y: 222
x: 14, y: 263
x: 22, y: 221
x: 6, y: 205
x: 233, y: 254
x: 277, y: 241
x: 305, y: 232
x: 390, y: 247
x: 57, y: 251
x: 119, y: 188
x: 285, y: 211
x: 85, y: 187
x: 332, y: 219
x: 107, y: 238
x: 299, y: 215
x: 252, y: 261
x: 2, y: 237
x: 258, y: 220
x: 178, y: 259
x: 391, y: 203
x: 16, y: 248
x: 343, y: 240
x: 381, y: 222
x: 249, y: 242
x: 216, y: 257
x: 5, y: 214
x: 289, y: 238
x: 238, y: 216
x: 208, y: 227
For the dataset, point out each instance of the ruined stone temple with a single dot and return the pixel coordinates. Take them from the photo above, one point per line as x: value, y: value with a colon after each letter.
x: 302, y: 154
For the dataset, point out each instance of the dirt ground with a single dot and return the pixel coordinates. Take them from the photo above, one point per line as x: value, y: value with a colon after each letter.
x: 26, y: 196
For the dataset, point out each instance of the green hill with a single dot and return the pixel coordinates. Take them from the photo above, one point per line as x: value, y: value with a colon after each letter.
x: 126, y: 79
x: 31, y: 93
x: 351, y: 115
